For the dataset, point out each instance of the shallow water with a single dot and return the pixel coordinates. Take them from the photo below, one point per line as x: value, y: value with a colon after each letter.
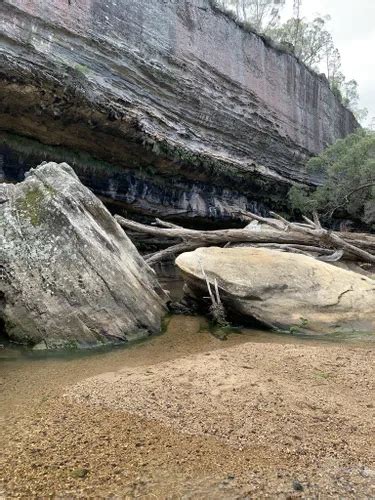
x: 171, y: 281
x: 28, y: 377
x: 238, y: 334
x: 24, y: 372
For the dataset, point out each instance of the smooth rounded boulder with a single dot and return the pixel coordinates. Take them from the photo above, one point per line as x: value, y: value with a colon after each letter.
x: 69, y: 275
x: 284, y: 290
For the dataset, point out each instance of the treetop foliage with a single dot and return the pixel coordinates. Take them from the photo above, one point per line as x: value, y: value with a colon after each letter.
x: 347, y: 169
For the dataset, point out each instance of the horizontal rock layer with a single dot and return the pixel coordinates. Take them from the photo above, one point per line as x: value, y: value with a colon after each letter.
x: 171, y: 86
x: 142, y: 192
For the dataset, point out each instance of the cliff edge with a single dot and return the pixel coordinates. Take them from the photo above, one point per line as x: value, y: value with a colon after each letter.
x: 195, y: 115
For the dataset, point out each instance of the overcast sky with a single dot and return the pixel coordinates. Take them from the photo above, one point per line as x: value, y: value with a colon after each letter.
x: 353, y: 28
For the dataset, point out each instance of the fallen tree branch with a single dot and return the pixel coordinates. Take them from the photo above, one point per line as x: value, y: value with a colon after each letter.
x: 170, y: 252
x: 314, y: 229
x: 335, y: 241
x: 369, y: 184
x: 324, y: 254
x: 308, y: 237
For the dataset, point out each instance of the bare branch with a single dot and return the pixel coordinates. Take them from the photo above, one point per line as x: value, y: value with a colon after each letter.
x: 335, y: 257
x: 166, y: 224
x: 217, y: 309
x: 171, y: 252
x: 295, y: 237
x: 349, y: 195
x: 258, y: 218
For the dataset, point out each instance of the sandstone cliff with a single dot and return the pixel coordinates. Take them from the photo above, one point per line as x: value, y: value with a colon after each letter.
x: 186, y: 111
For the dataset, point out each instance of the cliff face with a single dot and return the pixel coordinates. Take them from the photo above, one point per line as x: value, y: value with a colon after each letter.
x: 173, y: 94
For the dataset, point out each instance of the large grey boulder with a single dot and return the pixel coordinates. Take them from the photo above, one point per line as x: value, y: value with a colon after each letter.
x: 69, y: 275
x: 284, y: 290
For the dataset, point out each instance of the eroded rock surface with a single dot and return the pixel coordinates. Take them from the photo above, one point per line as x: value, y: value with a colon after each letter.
x: 172, y: 91
x: 284, y: 290
x: 69, y: 274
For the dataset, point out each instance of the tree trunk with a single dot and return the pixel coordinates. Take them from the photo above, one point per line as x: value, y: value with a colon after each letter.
x: 309, y: 238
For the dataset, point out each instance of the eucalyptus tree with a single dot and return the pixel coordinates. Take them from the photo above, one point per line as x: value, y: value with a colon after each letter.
x: 262, y: 15
x: 348, y: 172
x: 310, y: 40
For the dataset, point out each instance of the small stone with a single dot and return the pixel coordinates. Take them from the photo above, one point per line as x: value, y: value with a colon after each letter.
x: 79, y: 473
x: 297, y: 486
x: 366, y: 472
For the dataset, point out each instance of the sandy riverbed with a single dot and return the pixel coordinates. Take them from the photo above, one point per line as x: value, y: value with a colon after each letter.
x: 185, y: 415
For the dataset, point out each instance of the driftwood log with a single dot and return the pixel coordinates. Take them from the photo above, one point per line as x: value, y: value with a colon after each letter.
x: 307, y: 238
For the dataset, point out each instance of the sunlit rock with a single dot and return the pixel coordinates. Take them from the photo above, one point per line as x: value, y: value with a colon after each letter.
x: 286, y: 291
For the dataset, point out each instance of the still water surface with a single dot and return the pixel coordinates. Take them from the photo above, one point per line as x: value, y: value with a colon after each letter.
x: 27, y: 376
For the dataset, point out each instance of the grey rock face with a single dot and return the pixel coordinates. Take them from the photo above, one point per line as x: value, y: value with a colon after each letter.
x: 69, y: 275
x: 140, y: 193
x: 171, y: 85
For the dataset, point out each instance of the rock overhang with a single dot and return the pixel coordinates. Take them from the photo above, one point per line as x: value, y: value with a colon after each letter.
x: 172, y: 85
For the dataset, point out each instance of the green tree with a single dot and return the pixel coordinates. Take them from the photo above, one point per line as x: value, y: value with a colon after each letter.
x: 349, y: 91
x: 311, y: 40
x: 333, y: 66
x: 313, y: 44
x: 262, y: 15
x: 348, y: 172
x: 346, y: 91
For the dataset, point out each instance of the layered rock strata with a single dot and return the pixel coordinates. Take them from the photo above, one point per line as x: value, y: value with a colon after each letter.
x: 171, y: 90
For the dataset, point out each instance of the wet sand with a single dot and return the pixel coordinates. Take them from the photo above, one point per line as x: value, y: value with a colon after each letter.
x: 185, y: 415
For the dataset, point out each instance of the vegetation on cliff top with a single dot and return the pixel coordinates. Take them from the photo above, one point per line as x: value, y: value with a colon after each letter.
x: 310, y: 41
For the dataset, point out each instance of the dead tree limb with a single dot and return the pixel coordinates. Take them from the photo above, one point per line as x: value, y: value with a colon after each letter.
x: 345, y: 202
x: 308, y: 237
x: 170, y: 252
x: 320, y: 253
x: 217, y: 309
x: 328, y: 237
x: 314, y: 228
